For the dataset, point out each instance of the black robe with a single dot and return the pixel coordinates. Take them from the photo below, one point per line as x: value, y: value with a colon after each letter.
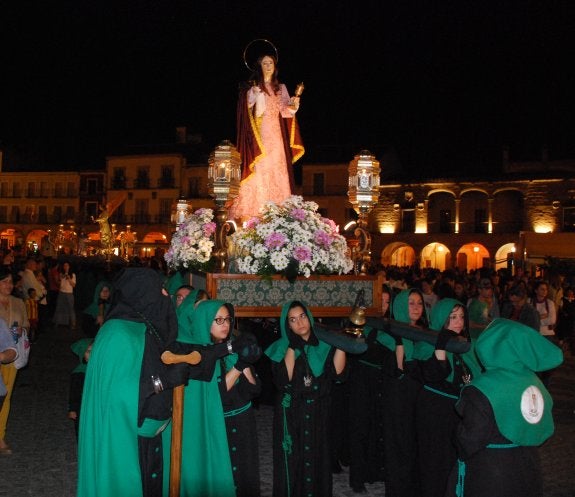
x: 501, y: 472
x: 304, y: 468
x: 242, y: 433
x: 369, y: 378
x: 436, y: 421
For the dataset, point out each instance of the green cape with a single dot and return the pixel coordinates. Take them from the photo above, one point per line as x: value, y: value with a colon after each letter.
x: 510, y: 353
x: 316, y: 354
x: 206, y: 466
x: 108, y: 441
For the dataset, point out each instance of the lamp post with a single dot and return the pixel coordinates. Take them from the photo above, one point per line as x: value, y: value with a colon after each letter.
x: 224, y: 175
x: 363, y: 195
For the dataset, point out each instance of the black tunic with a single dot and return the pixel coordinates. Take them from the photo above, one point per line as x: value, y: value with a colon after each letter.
x: 304, y: 467
x: 436, y: 420
x: 242, y: 433
x: 501, y: 471
x: 369, y: 378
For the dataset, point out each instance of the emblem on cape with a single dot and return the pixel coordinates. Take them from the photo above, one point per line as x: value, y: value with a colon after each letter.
x: 307, y: 381
x: 532, y: 404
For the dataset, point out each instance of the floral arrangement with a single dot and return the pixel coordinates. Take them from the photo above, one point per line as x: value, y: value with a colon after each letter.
x: 191, y: 246
x: 291, y: 239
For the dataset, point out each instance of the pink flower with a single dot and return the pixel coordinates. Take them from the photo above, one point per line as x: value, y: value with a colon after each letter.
x: 302, y: 253
x: 275, y: 240
x: 298, y: 214
x: 330, y: 223
x: 252, y: 223
x: 209, y: 229
x: 322, y: 238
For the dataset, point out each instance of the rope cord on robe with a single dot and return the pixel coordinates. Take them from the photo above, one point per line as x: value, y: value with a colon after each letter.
x: 287, y: 441
x: 439, y: 392
x: 239, y: 410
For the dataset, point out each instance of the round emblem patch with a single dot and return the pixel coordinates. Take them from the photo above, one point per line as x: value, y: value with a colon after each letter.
x: 532, y: 404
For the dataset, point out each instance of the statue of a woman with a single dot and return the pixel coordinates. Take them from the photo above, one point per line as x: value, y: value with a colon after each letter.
x: 268, y: 140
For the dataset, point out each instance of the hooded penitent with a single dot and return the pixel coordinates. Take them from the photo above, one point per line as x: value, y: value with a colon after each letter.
x: 119, y: 408
x: 315, y: 349
x: 79, y: 348
x: 511, y: 354
x: 439, y: 317
x: 94, y: 307
x: 206, y: 467
x: 400, y: 310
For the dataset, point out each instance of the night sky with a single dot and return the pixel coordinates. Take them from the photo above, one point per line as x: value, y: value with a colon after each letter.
x: 444, y: 84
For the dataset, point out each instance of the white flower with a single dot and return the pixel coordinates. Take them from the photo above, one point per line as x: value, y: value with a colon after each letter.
x: 292, y: 231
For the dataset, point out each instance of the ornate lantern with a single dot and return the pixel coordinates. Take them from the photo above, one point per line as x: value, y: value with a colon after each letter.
x: 363, y: 195
x: 224, y: 176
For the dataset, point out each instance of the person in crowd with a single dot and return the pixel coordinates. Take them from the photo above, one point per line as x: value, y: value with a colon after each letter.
x: 268, y: 140
x: 399, y: 423
x: 12, y: 313
x: 566, y: 321
x: 369, y: 376
x: 32, y: 312
x: 206, y: 463
x: 8, y: 354
x: 517, y: 308
x: 483, y: 308
x: 443, y: 374
x: 53, y: 287
x: 460, y: 290
x: 127, y: 396
x: 29, y: 280
x: 93, y: 315
x: 82, y: 349
x: 65, y: 314
x: 303, y: 369
x: 506, y: 412
x: 546, y: 309
x: 430, y: 298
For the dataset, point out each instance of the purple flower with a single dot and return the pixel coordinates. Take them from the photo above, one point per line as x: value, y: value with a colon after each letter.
x: 330, y: 223
x: 298, y: 214
x: 322, y: 238
x: 302, y: 253
x: 275, y: 240
x: 252, y: 222
x: 209, y: 229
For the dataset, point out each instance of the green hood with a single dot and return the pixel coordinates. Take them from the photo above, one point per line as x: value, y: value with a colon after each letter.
x: 79, y: 348
x: 510, y: 345
x: 173, y: 282
x: 400, y: 310
x: 93, y: 308
x: 440, y: 313
x: 511, y: 352
x: 316, y: 354
x: 400, y: 307
x: 195, y: 322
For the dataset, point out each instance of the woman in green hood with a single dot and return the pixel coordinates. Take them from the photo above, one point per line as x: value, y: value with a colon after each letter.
x: 303, y: 369
x: 443, y: 375
x: 399, y: 423
x: 506, y: 413
x: 207, y: 470
x: 94, y: 314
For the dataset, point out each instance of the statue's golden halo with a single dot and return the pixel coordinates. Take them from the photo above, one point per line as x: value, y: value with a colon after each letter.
x: 256, y: 49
